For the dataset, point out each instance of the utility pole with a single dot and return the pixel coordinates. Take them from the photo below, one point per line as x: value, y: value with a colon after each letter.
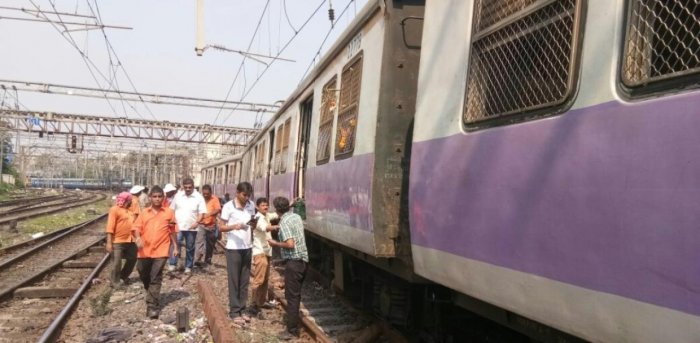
x: 148, y: 176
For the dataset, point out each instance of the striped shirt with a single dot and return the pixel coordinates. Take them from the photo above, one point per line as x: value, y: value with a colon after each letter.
x: 292, y: 227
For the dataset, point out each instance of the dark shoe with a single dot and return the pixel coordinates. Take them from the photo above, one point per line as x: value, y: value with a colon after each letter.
x: 253, y: 311
x: 153, y: 314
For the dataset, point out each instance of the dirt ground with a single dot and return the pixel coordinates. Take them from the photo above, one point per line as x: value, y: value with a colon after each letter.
x: 124, y: 311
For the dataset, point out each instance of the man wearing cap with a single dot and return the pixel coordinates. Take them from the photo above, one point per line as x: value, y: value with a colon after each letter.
x: 144, y: 201
x: 135, y: 207
x: 190, y: 208
x: 170, y: 191
x: 120, y: 242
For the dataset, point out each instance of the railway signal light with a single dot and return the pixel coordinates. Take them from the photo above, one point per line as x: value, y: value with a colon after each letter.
x: 74, y: 145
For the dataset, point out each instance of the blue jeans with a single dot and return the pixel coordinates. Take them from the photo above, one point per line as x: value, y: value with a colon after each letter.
x: 189, y: 237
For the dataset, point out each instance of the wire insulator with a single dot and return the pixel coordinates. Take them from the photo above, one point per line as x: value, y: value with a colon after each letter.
x: 331, y: 15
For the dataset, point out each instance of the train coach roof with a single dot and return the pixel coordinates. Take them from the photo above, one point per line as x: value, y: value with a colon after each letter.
x: 353, y: 28
x: 233, y: 158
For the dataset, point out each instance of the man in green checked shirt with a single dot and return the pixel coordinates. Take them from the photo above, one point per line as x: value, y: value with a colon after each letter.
x: 293, y: 249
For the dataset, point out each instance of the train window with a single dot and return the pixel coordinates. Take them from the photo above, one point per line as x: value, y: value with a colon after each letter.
x: 329, y: 101
x: 231, y: 173
x: 260, y: 160
x: 522, y: 59
x: 278, y: 148
x: 350, y: 84
x: 661, y: 43
x: 285, y: 144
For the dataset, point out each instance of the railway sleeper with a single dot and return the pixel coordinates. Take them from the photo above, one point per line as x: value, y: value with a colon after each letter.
x: 44, y: 292
x: 80, y: 264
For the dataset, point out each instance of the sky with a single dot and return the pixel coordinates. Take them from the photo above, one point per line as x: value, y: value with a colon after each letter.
x: 158, y: 53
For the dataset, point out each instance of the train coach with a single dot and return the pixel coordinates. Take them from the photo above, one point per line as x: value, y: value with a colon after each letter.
x: 527, y: 160
x: 553, y: 169
x: 79, y: 183
x: 223, y: 174
x: 348, y: 121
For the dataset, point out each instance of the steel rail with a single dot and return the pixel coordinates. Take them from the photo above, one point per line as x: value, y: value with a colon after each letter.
x: 57, y: 323
x: 22, y: 201
x: 9, y: 290
x: 7, y: 219
x: 29, y: 205
x: 311, y: 328
x: 65, y: 232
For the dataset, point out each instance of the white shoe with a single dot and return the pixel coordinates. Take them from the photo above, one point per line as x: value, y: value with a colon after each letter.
x: 171, y: 268
x: 188, y: 270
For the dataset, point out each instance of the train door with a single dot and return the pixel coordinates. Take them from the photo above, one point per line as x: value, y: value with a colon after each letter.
x: 226, y: 176
x: 303, y: 144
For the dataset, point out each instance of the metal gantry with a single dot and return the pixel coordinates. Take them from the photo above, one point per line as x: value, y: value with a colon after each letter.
x: 74, y: 124
x: 162, y: 99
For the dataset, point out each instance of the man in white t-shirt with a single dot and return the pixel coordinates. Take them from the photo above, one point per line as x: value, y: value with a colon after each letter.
x: 190, y: 208
x: 262, y: 251
x: 237, y: 218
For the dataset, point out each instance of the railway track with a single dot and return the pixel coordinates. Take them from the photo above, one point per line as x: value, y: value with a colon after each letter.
x: 32, y: 263
x: 36, y: 210
x: 39, y: 284
x: 15, y: 251
x: 32, y: 200
x: 327, y: 317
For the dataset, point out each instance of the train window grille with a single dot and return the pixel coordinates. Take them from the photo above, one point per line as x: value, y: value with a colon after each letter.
x: 662, y: 41
x: 278, y: 149
x: 329, y: 104
x: 285, y: 144
x: 522, y: 57
x: 350, y: 85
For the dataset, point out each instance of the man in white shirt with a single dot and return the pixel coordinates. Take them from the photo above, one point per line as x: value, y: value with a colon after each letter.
x: 237, y: 218
x: 262, y: 251
x: 190, y: 208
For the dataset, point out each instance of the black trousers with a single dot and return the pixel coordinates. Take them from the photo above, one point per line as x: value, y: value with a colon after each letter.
x: 294, y: 274
x: 205, y: 243
x: 238, y: 268
x: 121, y: 251
x: 151, y: 274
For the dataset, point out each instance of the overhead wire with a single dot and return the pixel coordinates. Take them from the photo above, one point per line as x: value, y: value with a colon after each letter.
x: 235, y: 78
x: 287, y: 15
x: 286, y: 45
x: 85, y: 58
x: 318, y: 52
x: 120, y: 65
x: 83, y: 52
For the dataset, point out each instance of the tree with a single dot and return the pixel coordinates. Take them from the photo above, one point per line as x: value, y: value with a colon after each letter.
x: 7, y: 152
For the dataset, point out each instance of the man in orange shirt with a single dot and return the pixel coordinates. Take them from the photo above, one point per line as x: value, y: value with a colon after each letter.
x: 206, y: 232
x: 154, y: 230
x: 119, y: 240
